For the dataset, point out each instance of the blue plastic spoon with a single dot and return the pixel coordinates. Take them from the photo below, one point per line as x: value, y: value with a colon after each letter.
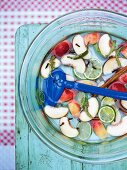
x: 54, y: 85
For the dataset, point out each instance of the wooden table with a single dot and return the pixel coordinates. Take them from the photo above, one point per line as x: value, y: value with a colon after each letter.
x: 31, y: 153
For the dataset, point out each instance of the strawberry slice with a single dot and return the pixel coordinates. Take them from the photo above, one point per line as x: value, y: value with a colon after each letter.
x: 62, y: 48
x: 118, y: 86
x: 91, y: 38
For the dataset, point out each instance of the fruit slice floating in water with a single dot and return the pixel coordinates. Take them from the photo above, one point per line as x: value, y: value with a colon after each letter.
x: 93, y: 70
x: 85, y: 130
x: 119, y: 129
x: 48, y: 66
x: 91, y: 38
x: 107, y: 114
x: 124, y: 49
x: 105, y: 45
x: 67, y: 95
x: 117, y: 118
x: 79, y: 45
x: 79, y: 75
x: 89, y: 113
x: 88, y: 82
x: 118, y: 86
x: 62, y: 48
x: 78, y: 65
x: 74, y: 108
x: 123, y: 78
x: 99, y: 128
x: 55, y: 112
x: 124, y: 104
x: 67, y: 129
x: 107, y: 101
x: 111, y: 65
x: 80, y: 97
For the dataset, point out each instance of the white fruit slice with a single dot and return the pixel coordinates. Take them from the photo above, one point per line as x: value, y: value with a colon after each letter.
x: 117, y: 118
x: 124, y: 104
x: 55, y: 112
x: 78, y: 44
x: 112, y: 65
x: 104, y: 45
x: 93, y: 107
x: 45, y: 69
x: 69, y: 78
x: 67, y: 129
x: 112, y: 54
x: 88, y: 56
x: 88, y: 82
x: 119, y: 129
x: 78, y: 65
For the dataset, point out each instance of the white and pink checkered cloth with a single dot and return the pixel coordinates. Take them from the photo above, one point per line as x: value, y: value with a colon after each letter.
x: 14, y: 13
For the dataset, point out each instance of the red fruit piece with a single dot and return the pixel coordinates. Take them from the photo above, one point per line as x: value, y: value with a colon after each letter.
x: 124, y: 49
x: 118, y: 86
x: 67, y: 95
x: 61, y: 48
x: 99, y: 128
x: 91, y: 38
x: 74, y: 108
x: 123, y: 78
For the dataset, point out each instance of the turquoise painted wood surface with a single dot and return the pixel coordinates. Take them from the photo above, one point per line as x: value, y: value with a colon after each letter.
x: 31, y: 153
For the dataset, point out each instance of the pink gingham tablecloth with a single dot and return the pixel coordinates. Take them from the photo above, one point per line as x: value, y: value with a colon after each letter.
x: 12, y: 15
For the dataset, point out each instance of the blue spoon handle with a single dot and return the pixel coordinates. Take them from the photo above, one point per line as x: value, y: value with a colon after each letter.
x: 96, y: 90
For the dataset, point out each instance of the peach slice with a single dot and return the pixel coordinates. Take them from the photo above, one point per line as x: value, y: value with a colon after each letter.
x: 99, y: 128
x: 74, y: 108
x: 91, y: 38
x: 67, y: 95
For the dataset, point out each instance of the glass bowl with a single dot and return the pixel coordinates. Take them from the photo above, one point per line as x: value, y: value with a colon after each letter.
x: 79, y: 21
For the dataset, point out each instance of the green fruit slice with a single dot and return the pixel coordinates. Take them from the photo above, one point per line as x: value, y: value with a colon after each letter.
x: 85, y: 130
x: 107, y: 114
x: 79, y: 75
x: 93, y: 70
x: 107, y: 101
x: 80, y: 97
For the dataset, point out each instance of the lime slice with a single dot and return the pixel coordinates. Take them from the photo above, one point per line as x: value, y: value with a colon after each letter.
x: 79, y: 75
x: 80, y: 97
x: 85, y: 130
x: 107, y: 101
x: 93, y: 70
x: 107, y: 114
